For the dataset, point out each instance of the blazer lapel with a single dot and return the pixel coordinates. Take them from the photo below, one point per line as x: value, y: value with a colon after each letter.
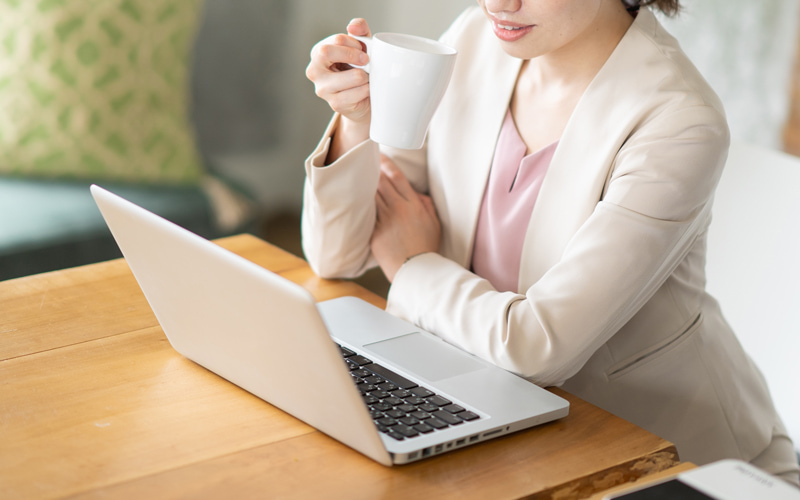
x: 465, y: 170
x: 582, y: 163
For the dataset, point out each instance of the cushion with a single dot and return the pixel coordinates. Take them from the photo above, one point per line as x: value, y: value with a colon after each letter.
x: 97, y: 90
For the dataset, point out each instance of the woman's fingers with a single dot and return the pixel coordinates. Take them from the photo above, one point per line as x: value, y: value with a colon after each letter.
x: 397, y: 179
x: 358, y: 27
x: 346, y: 89
x: 406, y: 222
x: 427, y: 202
x: 335, y: 54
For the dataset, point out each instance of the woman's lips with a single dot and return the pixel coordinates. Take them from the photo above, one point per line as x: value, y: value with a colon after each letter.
x: 510, y: 32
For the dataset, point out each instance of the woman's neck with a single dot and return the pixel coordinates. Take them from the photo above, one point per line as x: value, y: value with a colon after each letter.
x: 549, y: 86
x: 576, y: 64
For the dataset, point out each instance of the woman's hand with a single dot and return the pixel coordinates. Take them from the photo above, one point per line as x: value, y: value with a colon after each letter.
x: 344, y: 88
x: 406, y: 225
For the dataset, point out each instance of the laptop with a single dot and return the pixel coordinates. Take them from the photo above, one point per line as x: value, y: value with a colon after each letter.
x: 368, y: 379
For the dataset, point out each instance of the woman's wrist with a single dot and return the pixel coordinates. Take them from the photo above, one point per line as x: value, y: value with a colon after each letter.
x: 347, y: 135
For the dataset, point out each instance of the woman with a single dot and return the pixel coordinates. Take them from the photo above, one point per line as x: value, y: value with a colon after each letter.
x: 555, y: 221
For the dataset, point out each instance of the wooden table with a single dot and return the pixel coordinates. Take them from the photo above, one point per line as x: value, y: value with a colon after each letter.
x: 95, y: 403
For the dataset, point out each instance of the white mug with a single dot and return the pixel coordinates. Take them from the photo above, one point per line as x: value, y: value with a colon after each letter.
x: 407, y: 78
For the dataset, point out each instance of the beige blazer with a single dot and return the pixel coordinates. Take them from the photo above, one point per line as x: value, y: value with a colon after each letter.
x: 611, y: 300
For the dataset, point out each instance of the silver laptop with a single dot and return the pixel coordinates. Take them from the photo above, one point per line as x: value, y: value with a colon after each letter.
x: 353, y: 371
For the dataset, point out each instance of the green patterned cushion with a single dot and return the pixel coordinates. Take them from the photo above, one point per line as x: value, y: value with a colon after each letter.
x: 97, y: 89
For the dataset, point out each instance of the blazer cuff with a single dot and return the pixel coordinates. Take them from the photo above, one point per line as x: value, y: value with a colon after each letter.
x: 317, y: 157
x: 415, y: 284
x: 356, y: 171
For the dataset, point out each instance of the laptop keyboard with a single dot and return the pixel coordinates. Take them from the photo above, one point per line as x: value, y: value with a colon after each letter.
x: 399, y: 407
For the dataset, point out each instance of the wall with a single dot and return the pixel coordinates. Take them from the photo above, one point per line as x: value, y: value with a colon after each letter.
x: 257, y: 116
x: 313, y: 21
x: 746, y: 50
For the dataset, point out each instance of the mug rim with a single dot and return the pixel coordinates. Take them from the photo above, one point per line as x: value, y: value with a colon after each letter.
x: 420, y: 43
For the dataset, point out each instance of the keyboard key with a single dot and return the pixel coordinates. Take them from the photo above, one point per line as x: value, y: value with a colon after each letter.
x: 387, y: 421
x: 393, y: 401
x: 406, y: 408
x: 447, y: 417
x: 381, y: 406
x: 422, y: 415
x: 379, y: 393
x: 388, y: 386
x: 423, y: 428
x: 391, y: 376
x: 428, y: 407
x: 453, y: 408
x: 346, y: 352
x: 438, y: 401
x: 366, y: 388
x: 468, y: 416
x: 401, y: 393
x: 394, y: 435
x: 374, y: 380
x: 414, y: 400
x: 359, y: 360
x: 435, y: 423
x: 360, y: 372
x: 409, y: 421
x: 421, y: 392
x: 405, y: 430
x: 395, y: 413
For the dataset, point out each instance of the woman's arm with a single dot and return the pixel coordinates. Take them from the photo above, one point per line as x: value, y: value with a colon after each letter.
x: 339, y: 212
x: 656, y: 205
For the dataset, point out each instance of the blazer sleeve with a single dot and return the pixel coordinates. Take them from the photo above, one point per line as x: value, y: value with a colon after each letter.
x: 339, y: 208
x: 656, y: 204
x: 338, y: 214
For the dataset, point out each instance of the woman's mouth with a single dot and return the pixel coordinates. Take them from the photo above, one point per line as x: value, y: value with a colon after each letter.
x: 510, y: 32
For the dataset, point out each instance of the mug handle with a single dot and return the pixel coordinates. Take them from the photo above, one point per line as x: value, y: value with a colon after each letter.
x: 367, y: 41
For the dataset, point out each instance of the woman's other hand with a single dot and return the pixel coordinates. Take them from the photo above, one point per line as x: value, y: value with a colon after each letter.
x: 406, y: 225
x: 344, y: 88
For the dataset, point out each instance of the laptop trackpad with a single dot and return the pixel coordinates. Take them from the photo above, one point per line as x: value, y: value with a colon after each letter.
x: 426, y: 357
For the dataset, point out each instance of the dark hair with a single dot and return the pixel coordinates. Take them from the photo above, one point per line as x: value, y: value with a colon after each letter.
x: 668, y: 7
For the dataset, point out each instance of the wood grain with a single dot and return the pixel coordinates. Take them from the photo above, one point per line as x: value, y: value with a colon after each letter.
x: 548, y: 460
x: 650, y: 478
x: 94, y: 402
x: 47, y: 311
x: 116, y: 408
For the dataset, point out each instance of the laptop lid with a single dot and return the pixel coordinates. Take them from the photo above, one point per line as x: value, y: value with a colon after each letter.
x: 241, y: 321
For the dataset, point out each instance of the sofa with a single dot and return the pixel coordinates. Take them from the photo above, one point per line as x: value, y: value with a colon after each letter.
x: 48, y: 220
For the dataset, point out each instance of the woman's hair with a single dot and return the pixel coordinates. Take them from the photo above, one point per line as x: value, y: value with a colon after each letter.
x: 668, y: 7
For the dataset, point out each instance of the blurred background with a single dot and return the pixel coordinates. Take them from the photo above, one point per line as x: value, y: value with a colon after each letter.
x: 745, y: 49
x: 259, y: 50
x: 255, y: 116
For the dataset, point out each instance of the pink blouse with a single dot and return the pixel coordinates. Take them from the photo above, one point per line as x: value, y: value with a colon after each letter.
x: 514, y: 183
